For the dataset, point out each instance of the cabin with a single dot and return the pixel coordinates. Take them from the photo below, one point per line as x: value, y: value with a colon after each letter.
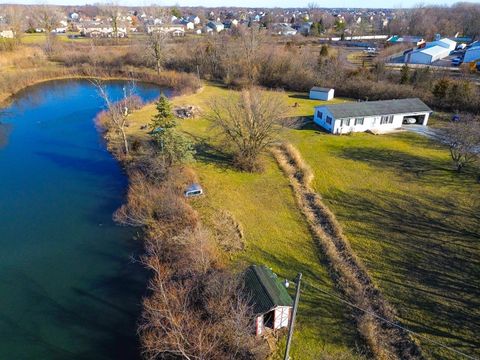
x: 271, y: 303
x: 320, y: 93
x: 375, y: 116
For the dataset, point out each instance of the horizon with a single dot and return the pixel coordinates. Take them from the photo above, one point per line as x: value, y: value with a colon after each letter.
x: 270, y: 4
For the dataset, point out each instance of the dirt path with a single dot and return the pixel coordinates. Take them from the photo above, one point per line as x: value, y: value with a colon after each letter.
x: 383, y: 340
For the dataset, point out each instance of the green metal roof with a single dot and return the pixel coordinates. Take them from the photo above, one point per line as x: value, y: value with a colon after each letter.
x: 266, y: 290
x: 377, y: 108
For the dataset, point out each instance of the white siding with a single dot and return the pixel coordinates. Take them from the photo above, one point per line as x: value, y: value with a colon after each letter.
x: 345, y: 126
x: 322, y: 120
x: 282, y: 315
x: 322, y: 95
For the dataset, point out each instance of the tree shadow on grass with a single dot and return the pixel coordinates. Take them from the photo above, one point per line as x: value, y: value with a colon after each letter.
x: 419, y: 168
x: 430, y: 253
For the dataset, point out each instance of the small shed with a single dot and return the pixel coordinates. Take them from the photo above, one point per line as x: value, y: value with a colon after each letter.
x: 272, y: 305
x: 320, y: 93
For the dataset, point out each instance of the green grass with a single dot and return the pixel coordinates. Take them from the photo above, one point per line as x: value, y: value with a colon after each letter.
x: 409, y: 217
x: 276, y: 233
x: 413, y: 221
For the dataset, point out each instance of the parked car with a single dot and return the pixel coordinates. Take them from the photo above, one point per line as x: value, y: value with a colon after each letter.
x: 457, y: 61
x: 409, y: 120
x: 193, y: 190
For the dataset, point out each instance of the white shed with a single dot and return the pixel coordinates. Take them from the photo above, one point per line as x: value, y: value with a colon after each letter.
x: 320, y: 93
x: 271, y: 303
x: 377, y: 116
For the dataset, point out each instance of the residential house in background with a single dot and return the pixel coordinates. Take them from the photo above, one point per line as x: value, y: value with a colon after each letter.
x: 376, y: 116
x: 271, y: 303
x: 283, y: 29
x: 216, y: 26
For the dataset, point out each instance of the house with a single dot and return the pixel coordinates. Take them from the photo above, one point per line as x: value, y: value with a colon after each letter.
x: 96, y: 29
x: 283, y: 29
x: 6, y: 33
x: 376, y: 116
x: 319, y: 93
x: 194, y: 19
x: 188, y: 24
x: 216, y: 26
x: 271, y: 303
x: 174, y: 30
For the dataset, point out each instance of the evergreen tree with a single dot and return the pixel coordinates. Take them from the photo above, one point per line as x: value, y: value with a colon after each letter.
x: 164, y: 118
x: 173, y: 146
x: 404, y: 74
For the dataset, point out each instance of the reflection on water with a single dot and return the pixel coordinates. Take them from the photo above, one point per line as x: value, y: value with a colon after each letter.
x: 68, y: 287
x: 5, y: 130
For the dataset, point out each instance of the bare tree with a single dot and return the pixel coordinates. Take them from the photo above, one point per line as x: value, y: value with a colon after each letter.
x: 157, y: 48
x: 15, y: 16
x: 117, y: 112
x: 248, y: 123
x: 463, y: 139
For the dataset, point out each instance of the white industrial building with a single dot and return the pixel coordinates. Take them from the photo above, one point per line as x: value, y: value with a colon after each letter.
x: 376, y: 116
x: 432, y: 52
x: 320, y: 93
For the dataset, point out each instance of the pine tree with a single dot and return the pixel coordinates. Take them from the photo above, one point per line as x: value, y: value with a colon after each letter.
x: 164, y: 118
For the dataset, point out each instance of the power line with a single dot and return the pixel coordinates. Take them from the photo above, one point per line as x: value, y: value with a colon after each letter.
x: 396, y: 325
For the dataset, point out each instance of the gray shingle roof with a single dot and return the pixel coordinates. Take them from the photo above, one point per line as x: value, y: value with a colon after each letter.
x: 266, y: 290
x: 377, y: 108
x: 318, y: 88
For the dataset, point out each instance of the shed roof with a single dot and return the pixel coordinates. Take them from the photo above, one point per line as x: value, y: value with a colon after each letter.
x: 321, y: 89
x: 194, y: 187
x: 266, y: 289
x: 376, y: 108
x: 435, y: 50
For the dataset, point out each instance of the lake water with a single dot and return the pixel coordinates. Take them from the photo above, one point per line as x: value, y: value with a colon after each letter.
x: 68, y: 287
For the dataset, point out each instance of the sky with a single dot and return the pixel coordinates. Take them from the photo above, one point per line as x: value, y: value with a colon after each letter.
x: 251, y: 3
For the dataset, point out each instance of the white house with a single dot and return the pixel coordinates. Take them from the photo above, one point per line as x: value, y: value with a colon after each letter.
x: 216, y: 25
x: 472, y: 54
x: 7, y: 33
x: 320, y: 93
x: 283, y: 29
x: 188, y: 24
x: 271, y: 303
x: 376, y: 116
x: 194, y: 19
x: 174, y: 30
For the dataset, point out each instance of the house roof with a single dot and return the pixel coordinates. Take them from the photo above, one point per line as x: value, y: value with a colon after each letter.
x: 266, y: 289
x: 434, y: 50
x: 322, y: 89
x: 376, y: 108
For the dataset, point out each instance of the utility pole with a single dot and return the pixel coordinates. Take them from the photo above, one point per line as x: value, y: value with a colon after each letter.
x: 292, y: 319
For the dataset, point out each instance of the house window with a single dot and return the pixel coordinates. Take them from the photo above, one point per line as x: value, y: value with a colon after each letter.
x: 319, y: 114
x: 329, y: 120
x: 386, y: 119
x: 345, y: 122
x: 358, y: 121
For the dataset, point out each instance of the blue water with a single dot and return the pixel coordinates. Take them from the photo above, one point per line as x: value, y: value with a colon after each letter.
x: 68, y: 287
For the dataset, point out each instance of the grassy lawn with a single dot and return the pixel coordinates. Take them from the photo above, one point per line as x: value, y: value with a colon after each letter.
x: 275, y: 232
x: 414, y: 223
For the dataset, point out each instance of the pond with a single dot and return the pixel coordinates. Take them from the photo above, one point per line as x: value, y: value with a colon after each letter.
x: 69, y: 288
